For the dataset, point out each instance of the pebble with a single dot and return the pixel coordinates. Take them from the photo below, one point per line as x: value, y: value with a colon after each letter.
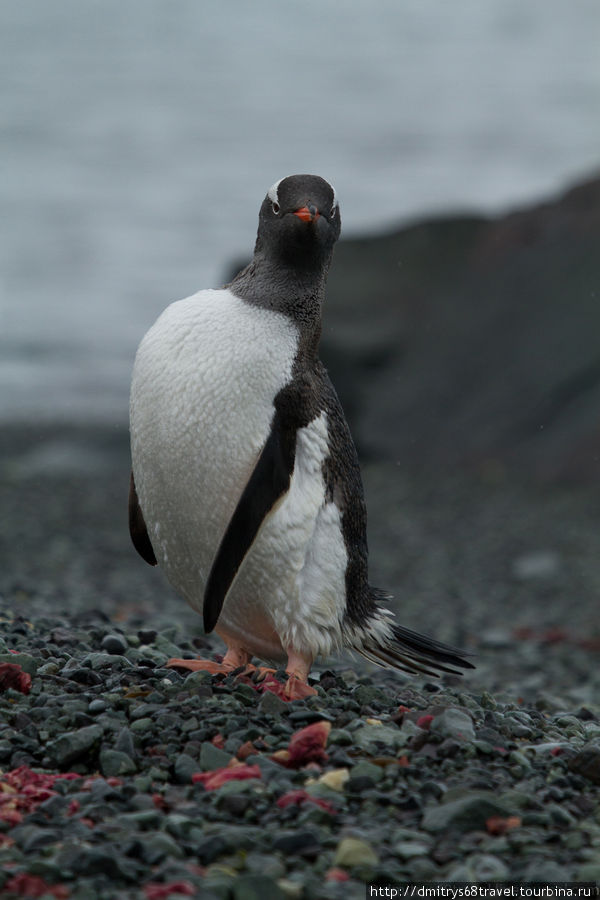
x: 212, y: 757
x: 114, y: 762
x: 135, y: 733
x: 453, y: 723
x: 467, y: 812
x: 71, y: 746
x: 587, y: 763
x: 353, y: 851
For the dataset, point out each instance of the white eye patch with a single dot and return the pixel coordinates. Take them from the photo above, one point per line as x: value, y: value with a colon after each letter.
x: 272, y: 192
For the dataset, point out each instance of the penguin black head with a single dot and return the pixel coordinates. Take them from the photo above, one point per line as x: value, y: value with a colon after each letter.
x: 299, y: 222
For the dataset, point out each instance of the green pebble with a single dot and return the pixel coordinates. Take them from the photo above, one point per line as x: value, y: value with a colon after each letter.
x: 138, y: 726
x: 367, y: 769
x: 212, y: 757
x: 340, y: 736
x: 74, y: 744
x: 114, y: 762
x: 257, y: 887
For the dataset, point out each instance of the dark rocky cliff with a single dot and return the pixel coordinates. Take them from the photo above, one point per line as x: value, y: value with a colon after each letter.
x: 474, y: 341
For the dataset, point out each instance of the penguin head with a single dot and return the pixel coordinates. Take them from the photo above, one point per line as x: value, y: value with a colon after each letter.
x: 299, y: 222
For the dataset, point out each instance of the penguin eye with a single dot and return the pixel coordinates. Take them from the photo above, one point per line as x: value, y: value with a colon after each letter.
x: 275, y: 207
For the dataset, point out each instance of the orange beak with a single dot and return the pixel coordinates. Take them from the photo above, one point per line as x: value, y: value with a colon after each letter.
x: 307, y: 213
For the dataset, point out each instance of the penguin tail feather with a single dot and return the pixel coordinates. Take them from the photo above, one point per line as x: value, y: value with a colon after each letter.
x: 393, y: 646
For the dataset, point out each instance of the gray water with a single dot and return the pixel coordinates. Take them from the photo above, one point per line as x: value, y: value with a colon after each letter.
x: 140, y: 136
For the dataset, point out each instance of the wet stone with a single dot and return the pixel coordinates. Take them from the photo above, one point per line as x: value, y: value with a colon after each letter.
x: 465, y: 813
x: 185, y: 766
x: 587, y: 763
x: 159, y: 846
x: 271, y: 704
x: 297, y: 842
x: 453, y: 723
x: 114, y: 762
x: 257, y: 887
x: 212, y: 757
x: 114, y: 644
x: 75, y: 744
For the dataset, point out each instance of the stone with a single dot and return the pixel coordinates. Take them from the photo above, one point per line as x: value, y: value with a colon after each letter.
x: 480, y: 867
x: 73, y: 745
x: 365, y: 769
x: 411, y: 849
x: 371, y: 738
x: 124, y: 742
x: 367, y: 693
x: 159, y: 846
x: 115, y: 762
x: 271, y: 704
x: 185, y: 766
x: 301, y: 842
x: 212, y: 757
x: 105, y: 861
x: 353, y: 851
x: 114, y: 643
x: 587, y: 763
x: 28, y: 663
x: 257, y: 887
x: 334, y: 779
x: 209, y: 849
x: 453, y: 723
x: 466, y: 813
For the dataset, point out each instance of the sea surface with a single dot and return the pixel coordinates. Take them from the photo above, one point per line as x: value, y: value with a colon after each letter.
x: 138, y: 138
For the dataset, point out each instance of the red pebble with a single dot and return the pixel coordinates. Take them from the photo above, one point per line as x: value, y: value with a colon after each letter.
x: 424, y: 722
x: 335, y: 874
x: 299, y: 797
x: 306, y: 745
x: 218, y: 777
x: 13, y: 676
x: 24, y: 885
x: 25, y: 791
x: 247, y: 749
x: 160, y: 802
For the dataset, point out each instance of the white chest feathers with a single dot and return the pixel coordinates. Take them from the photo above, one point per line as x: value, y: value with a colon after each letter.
x: 204, y: 381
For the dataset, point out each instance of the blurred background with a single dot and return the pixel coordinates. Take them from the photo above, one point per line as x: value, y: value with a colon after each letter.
x: 462, y: 322
x: 139, y: 138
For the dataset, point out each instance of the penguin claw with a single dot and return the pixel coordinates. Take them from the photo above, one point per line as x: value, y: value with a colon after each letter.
x: 261, y: 672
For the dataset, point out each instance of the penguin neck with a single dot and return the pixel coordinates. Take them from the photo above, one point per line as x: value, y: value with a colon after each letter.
x: 297, y: 292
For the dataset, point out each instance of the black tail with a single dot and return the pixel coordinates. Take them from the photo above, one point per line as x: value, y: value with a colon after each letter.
x: 395, y: 647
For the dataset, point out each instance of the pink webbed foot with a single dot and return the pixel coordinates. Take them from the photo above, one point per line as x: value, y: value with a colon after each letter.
x: 235, y: 658
x: 296, y: 687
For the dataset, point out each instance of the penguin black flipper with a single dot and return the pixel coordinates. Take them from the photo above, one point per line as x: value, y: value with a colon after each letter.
x: 270, y: 479
x: 137, y: 527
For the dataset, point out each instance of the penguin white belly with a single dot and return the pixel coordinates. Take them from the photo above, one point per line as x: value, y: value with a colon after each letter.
x: 204, y: 381
x: 295, y: 571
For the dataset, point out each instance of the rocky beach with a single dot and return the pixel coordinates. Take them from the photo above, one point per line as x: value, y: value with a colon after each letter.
x: 465, y: 351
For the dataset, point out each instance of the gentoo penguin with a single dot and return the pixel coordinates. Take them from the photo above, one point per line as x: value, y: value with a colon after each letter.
x: 246, y: 486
